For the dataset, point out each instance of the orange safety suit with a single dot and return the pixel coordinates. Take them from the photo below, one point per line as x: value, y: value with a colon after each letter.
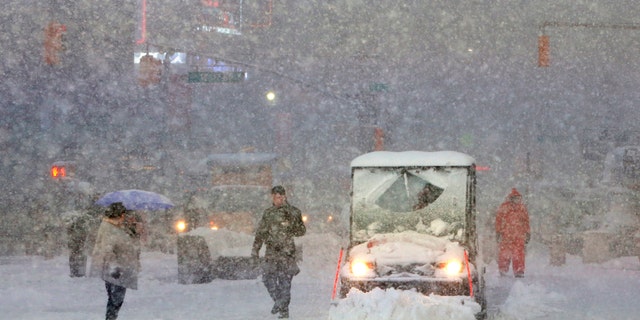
x: 513, y: 232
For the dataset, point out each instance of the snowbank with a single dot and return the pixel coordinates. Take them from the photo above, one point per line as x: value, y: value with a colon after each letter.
x: 394, y: 304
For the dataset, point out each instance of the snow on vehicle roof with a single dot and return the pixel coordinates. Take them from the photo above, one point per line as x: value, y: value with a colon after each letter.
x: 412, y: 158
x: 198, y: 165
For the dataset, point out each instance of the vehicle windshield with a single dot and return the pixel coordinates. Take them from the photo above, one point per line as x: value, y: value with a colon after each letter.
x: 429, y: 200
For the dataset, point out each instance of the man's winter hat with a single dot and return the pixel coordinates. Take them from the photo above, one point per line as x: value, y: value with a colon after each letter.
x: 115, y: 210
x: 514, y: 193
x: 278, y: 189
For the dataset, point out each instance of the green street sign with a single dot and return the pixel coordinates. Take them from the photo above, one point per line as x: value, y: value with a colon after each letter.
x: 378, y: 87
x: 215, y: 77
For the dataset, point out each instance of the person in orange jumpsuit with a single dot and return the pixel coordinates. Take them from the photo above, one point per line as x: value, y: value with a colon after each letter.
x: 513, y: 233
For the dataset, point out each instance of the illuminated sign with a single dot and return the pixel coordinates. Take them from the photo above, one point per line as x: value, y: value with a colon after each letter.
x: 213, y: 77
x: 229, y: 16
x: 219, y: 30
x: 223, y: 16
x: 175, y: 58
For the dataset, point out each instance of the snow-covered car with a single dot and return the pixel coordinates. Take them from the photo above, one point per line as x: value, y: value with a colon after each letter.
x: 228, y: 191
x: 217, y: 225
x: 205, y: 254
x: 413, y: 224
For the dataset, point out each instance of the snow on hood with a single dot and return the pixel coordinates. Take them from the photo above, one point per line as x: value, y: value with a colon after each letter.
x: 405, y: 248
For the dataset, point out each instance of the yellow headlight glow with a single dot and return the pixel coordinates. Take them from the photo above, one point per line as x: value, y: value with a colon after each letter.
x: 181, y: 226
x: 360, y: 268
x: 453, y: 267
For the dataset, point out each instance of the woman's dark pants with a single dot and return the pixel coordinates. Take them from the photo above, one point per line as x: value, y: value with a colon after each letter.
x: 116, y: 298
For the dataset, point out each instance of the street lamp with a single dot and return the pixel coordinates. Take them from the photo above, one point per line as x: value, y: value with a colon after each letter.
x: 271, y: 96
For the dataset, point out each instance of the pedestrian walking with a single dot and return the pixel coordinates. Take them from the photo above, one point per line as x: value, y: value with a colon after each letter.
x: 512, y: 233
x: 77, y: 234
x: 279, y: 225
x: 115, y: 258
x: 81, y: 232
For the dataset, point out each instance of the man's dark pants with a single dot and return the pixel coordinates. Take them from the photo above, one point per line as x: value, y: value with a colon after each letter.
x: 278, y: 283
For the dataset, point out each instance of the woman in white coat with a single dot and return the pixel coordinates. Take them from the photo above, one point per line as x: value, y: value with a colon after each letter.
x: 115, y: 258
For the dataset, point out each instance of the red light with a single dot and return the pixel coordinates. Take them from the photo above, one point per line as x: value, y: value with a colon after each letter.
x: 58, y: 172
x: 543, y: 51
x: 483, y: 168
x: 53, y: 43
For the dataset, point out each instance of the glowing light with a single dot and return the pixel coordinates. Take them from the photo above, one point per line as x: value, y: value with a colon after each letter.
x: 453, y: 267
x: 305, y: 218
x: 360, y: 268
x: 181, y: 226
x: 58, y: 172
x: 271, y: 96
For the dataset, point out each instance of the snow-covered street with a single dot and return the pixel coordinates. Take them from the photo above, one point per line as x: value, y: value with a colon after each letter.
x: 35, y: 288
x: 393, y: 126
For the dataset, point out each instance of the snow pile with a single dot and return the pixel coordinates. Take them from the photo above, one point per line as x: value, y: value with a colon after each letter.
x: 394, y: 304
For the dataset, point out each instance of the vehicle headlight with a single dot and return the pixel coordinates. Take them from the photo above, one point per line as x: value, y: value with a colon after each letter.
x: 181, y: 226
x: 451, y: 267
x: 361, y: 268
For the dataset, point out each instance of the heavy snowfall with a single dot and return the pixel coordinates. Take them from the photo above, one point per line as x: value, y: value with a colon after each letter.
x: 39, y: 288
x: 542, y: 94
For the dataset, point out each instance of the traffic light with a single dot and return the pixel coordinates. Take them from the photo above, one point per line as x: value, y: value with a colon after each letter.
x: 58, y: 171
x: 62, y: 169
x: 543, y: 51
x: 53, y: 42
x: 150, y: 71
x: 378, y: 138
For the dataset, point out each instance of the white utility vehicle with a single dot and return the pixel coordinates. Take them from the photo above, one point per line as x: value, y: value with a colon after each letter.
x: 413, y: 224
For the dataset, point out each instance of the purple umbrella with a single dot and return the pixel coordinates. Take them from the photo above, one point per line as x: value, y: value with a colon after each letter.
x: 136, y: 200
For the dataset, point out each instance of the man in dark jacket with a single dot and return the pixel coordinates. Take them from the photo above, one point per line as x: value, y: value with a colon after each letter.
x: 279, y: 224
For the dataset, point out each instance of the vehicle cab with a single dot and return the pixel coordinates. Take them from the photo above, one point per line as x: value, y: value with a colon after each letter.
x: 413, y: 224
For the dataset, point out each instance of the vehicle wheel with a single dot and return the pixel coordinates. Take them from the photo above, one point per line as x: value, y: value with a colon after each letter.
x: 345, y: 287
